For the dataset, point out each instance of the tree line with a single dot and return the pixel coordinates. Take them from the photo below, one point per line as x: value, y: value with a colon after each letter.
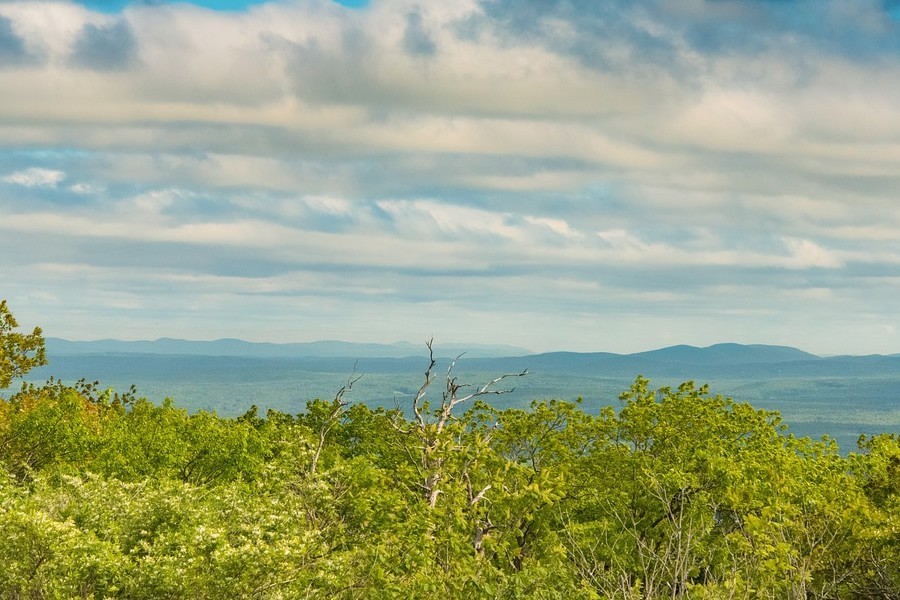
x: 679, y: 493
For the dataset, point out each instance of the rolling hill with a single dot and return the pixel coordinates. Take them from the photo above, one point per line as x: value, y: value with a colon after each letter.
x: 840, y: 396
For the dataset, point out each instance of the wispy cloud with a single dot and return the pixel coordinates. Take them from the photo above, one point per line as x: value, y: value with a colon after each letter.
x: 36, y: 177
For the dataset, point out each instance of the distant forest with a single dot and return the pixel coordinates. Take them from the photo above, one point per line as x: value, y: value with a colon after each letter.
x: 679, y: 493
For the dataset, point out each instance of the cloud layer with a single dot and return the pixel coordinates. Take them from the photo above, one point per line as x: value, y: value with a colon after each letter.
x: 582, y: 175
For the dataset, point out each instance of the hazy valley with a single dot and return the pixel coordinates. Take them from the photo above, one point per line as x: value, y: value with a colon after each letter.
x: 840, y: 396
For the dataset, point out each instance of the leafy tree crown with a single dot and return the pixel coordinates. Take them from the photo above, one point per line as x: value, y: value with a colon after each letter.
x: 19, y: 352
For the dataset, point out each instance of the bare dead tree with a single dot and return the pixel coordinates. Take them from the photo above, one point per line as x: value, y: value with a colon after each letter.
x: 429, y: 428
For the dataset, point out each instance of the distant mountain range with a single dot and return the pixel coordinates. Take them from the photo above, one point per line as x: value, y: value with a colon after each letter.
x: 841, y: 396
x: 717, y: 361
x: 713, y: 362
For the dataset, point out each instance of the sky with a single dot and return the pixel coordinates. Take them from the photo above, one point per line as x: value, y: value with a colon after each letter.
x: 614, y: 175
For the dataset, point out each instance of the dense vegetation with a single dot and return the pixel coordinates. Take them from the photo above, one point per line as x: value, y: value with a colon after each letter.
x: 678, y: 494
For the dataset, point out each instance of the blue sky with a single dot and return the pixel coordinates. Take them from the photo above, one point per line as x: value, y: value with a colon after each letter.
x: 579, y: 175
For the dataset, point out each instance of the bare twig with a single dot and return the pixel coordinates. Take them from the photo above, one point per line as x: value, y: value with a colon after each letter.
x: 337, y: 409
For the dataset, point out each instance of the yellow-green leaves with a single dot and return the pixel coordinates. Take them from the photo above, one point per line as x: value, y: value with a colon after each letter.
x: 19, y: 352
x: 682, y: 494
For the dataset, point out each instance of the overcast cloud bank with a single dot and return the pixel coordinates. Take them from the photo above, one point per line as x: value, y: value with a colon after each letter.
x: 581, y: 175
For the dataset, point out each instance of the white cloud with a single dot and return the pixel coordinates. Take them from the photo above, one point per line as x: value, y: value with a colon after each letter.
x: 558, y: 226
x: 806, y: 254
x: 36, y: 177
x: 83, y: 189
x: 155, y: 202
x: 423, y: 216
x: 329, y: 205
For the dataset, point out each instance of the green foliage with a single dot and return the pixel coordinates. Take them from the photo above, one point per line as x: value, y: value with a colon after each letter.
x: 19, y: 352
x: 877, y: 471
x: 681, y: 494
x: 54, y: 427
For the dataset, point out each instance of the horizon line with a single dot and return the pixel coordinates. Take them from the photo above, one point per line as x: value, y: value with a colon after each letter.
x: 473, y: 345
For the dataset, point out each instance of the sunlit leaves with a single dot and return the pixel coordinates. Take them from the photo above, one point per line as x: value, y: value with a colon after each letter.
x: 680, y: 494
x: 19, y: 352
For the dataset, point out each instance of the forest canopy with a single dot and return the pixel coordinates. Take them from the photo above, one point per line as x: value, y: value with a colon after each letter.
x: 675, y: 493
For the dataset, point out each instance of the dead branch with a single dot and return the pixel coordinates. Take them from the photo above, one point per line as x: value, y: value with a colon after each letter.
x: 337, y: 409
x: 420, y: 395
